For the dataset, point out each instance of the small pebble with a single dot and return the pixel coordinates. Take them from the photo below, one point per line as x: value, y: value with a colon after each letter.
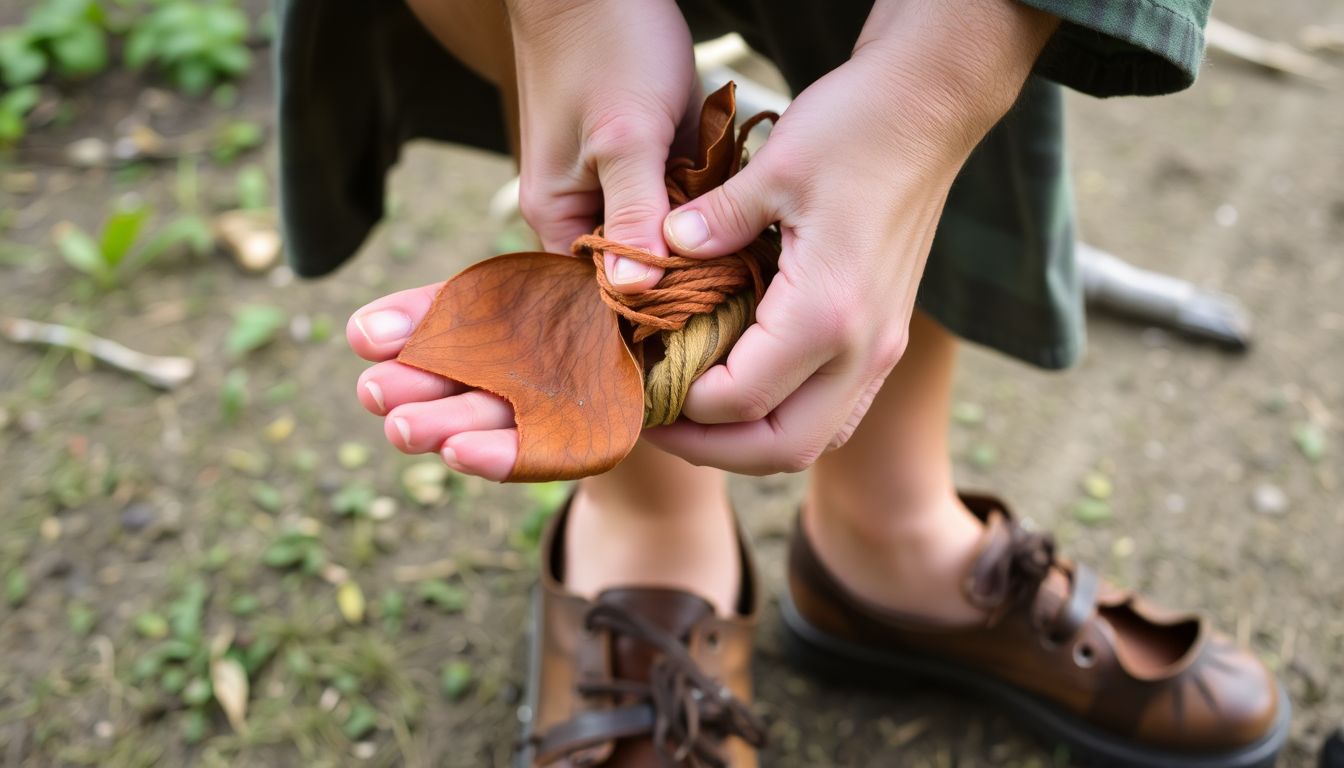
x: 1226, y: 215
x: 280, y: 277
x: 353, y: 455
x: 280, y: 429
x: 53, y: 565
x: 300, y: 328
x: 104, y: 729
x: 1175, y: 503
x: 1269, y: 499
x: 1123, y: 547
x: 425, y: 482
x: 383, y: 508
x: 365, y: 750
x: 32, y: 422
x: 50, y: 528
x: 137, y: 516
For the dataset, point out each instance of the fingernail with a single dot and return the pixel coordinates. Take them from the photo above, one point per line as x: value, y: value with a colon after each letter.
x: 376, y: 392
x: 384, y: 326
x: 628, y: 271
x: 404, y: 429
x: 687, y: 230
x: 450, y: 457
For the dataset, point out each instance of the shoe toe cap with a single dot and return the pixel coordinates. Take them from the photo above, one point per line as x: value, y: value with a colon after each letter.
x: 1225, y: 700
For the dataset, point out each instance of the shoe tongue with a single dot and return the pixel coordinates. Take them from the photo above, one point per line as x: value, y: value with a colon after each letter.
x: 670, y: 610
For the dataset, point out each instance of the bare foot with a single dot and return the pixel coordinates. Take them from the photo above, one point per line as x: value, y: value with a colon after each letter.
x: 473, y: 431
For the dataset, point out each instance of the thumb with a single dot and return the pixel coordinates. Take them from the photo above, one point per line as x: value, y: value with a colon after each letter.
x: 726, y: 219
x: 634, y: 203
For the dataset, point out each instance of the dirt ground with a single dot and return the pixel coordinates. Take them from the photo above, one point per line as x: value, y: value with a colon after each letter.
x: 117, y: 498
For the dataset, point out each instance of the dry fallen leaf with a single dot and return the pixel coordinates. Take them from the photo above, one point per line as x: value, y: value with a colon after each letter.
x: 229, y: 680
x: 351, y: 601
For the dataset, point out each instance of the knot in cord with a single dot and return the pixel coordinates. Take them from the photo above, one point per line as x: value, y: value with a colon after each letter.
x: 1013, y: 575
x: 692, y: 711
x: 724, y: 289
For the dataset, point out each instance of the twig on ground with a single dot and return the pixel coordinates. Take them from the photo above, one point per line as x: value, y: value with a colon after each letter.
x: 161, y: 372
x: 1279, y: 57
x: 1319, y: 38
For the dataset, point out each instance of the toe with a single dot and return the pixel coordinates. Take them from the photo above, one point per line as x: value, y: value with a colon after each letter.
x: 423, y: 427
x: 379, y: 330
x: 390, y: 384
x: 489, y: 454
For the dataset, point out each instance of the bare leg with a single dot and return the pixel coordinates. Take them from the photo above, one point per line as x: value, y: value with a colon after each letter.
x: 654, y: 520
x: 477, y: 34
x: 882, y: 511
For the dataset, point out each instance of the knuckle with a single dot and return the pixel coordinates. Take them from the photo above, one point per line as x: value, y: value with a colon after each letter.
x: 889, y: 351
x: 532, y: 204
x: 837, y: 325
x: 633, y: 216
x: 729, y: 209
x: 753, y: 404
x: 613, y: 135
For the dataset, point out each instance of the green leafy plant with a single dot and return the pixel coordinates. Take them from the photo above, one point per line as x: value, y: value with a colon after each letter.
x: 121, y: 250
x: 66, y: 35
x: 192, y: 669
x: 295, y: 549
x: 254, y: 326
x: 14, y: 108
x: 236, y: 137
x: 253, y: 188
x: 196, y: 43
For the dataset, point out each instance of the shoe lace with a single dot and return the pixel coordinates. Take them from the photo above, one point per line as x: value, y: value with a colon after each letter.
x: 1010, y: 576
x: 1015, y: 576
x: 692, y: 711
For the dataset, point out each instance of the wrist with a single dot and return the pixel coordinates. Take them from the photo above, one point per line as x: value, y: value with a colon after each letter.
x: 954, y: 68
x: 568, y: 18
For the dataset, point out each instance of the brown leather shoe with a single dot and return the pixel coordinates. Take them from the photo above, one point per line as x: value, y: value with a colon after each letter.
x: 639, y: 678
x: 1119, y: 681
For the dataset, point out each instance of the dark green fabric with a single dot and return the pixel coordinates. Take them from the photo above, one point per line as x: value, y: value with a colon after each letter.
x: 1124, y: 47
x: 357, y: 81
x: 1002, y: 270
x: 354, y: 84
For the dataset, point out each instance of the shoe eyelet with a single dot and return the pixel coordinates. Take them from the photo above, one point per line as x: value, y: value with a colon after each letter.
x: 1084, y: 656
x: 712, y: 640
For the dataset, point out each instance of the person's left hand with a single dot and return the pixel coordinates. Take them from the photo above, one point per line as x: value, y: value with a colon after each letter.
x: 855, y: 173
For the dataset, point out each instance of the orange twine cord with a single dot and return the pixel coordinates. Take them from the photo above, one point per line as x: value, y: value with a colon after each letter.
x: 689, y: 286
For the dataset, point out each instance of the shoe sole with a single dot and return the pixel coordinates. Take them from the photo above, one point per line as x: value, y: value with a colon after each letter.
x: 832, y: 657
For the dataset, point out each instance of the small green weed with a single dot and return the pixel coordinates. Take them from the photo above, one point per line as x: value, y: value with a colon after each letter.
x: 68, y: 36
x: 254, y: 326
x: 121, y: 248
x: 196, y: 43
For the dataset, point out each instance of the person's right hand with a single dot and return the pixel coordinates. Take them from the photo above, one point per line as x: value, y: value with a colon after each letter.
x: 603, y: 86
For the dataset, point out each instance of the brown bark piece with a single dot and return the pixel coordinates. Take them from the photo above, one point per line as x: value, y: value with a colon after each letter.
x: 532, y: 328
